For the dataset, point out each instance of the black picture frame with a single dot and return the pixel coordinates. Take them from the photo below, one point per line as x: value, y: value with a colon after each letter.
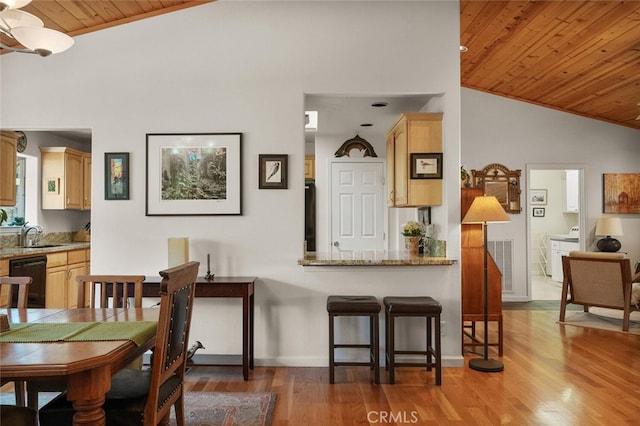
x: 193, y: 174
x: 426, y: 165
x: 116, y: 176
x: 538, y: 211
x: 273, y: 171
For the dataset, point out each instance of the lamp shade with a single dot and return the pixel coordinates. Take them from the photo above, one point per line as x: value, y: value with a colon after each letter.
x: 44, y: 41
x: 484, y: 209
x: 607, y: 226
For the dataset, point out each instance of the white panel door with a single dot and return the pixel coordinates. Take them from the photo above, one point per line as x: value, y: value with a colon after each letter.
x: 357, y: 205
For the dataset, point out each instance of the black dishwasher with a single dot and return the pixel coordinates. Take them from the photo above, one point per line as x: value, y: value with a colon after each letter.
x: 36, y: 268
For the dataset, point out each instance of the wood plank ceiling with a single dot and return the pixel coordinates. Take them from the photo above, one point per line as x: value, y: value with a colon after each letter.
x: 581, y: 57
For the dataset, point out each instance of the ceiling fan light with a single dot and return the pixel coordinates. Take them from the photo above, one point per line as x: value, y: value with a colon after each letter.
x: 13, y: 4
x: 43, y: 41
x: 18, y: 18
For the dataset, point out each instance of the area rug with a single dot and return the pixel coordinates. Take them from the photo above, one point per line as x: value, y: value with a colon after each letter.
x: 209, y: 408
x: 604, y: 319
x: 228, y: 408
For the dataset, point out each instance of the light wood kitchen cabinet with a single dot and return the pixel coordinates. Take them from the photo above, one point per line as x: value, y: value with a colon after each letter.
x: 56, y: 280
x: 571, y: 191
x: 62, y: 270
x: 86, y: 181
x: 412, y: 133
x: 8, y: 144
x: 64, y: 179
x: 309, y: 167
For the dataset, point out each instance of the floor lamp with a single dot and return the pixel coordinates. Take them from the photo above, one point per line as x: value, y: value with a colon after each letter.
x: 483, y: 210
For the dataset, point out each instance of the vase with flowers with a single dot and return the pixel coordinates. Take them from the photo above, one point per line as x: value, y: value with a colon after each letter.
x: 412, y: 232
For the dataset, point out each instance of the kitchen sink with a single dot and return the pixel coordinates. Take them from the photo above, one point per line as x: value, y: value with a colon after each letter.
x: 43, y: 246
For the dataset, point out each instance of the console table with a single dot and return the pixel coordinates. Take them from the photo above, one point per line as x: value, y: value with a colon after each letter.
x: 241, y: 287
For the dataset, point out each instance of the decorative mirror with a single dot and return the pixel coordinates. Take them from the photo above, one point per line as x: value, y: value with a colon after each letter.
x: 502, y: 183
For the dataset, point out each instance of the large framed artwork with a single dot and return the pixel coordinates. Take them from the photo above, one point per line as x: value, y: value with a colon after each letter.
x: 116, y: 176
x: 621, y: 193
x: 194, y: 174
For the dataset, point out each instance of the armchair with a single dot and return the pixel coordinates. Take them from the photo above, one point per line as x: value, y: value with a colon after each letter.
x: 597, y: 279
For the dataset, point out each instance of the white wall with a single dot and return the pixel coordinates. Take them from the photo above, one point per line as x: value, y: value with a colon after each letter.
x: 516, y: 134
x: 245, y: 67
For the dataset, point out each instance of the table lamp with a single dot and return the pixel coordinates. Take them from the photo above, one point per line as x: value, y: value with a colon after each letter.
x: 608, y: 226
x: 485, y: 209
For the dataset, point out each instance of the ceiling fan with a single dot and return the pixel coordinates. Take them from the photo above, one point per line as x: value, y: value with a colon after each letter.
x: 29, y: 31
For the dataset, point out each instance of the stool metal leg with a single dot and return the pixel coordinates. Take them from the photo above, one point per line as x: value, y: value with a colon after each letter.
x: 331, y: 350
x: 438, y: 354
x: 429, y: 321
x: 386, y: 340
x: 391, y: 349
x: 375, y: 340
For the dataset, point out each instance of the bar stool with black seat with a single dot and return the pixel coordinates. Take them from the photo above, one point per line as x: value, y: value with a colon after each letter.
x: 425, y: 307
x: 357, y: 306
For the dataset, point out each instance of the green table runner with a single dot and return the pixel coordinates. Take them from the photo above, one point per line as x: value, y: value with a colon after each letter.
x: 136, y: 331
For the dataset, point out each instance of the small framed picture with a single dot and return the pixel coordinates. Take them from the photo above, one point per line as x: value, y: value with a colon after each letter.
x: 116, y: 175
x: 538, y: 197
x: 53, y: 186
x: 538, y: 212
x: 273, y: 171
x: 426, y: 165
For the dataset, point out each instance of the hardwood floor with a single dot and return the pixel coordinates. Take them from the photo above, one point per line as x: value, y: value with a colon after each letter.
x: 554, y: 375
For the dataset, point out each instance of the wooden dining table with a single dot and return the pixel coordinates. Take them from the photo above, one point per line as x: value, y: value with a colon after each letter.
x: 87, y: 366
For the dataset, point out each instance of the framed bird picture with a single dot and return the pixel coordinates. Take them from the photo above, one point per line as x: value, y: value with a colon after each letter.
x: 273, y: 171
x: 426, y: 165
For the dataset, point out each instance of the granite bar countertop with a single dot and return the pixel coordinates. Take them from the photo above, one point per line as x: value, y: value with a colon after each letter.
x: 371, y: 258
x: 17, y: 252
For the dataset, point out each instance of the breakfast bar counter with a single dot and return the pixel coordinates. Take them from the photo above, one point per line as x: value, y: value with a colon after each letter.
x: 365, y: 258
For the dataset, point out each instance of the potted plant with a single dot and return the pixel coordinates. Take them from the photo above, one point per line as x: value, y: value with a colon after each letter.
x: 464, y: 177
x: 412, y: 232
x: 3, y: 216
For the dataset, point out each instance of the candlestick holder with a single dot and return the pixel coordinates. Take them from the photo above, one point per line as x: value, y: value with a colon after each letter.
x: 209, y: 275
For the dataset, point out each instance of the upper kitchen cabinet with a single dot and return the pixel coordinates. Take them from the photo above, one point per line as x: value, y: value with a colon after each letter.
x: 414, y: 160
x: 8, y: 150
x: 86, y: 181
x: 571, y: 188
x: 66, y: 179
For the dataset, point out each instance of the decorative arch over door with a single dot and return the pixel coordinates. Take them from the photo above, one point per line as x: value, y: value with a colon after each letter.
x: 355, y: 143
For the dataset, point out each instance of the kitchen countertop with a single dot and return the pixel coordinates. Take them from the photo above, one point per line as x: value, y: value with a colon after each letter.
x: 564, y: 237
x: 17, y: 252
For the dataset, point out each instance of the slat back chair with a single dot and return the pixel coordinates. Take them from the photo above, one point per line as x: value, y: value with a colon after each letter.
x: 145, y: 397
x: 8, y: 285
x: 94, y: 291
x: 117, y: 288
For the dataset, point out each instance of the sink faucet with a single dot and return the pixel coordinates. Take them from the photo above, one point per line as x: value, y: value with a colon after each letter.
x: 23, y: 241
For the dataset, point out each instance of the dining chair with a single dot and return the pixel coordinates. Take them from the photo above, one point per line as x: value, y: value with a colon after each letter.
x: 145, y: 397
x: 114, y: 288
x: 7, y: 288
x: 13, y: 415
x: 94, y: 291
